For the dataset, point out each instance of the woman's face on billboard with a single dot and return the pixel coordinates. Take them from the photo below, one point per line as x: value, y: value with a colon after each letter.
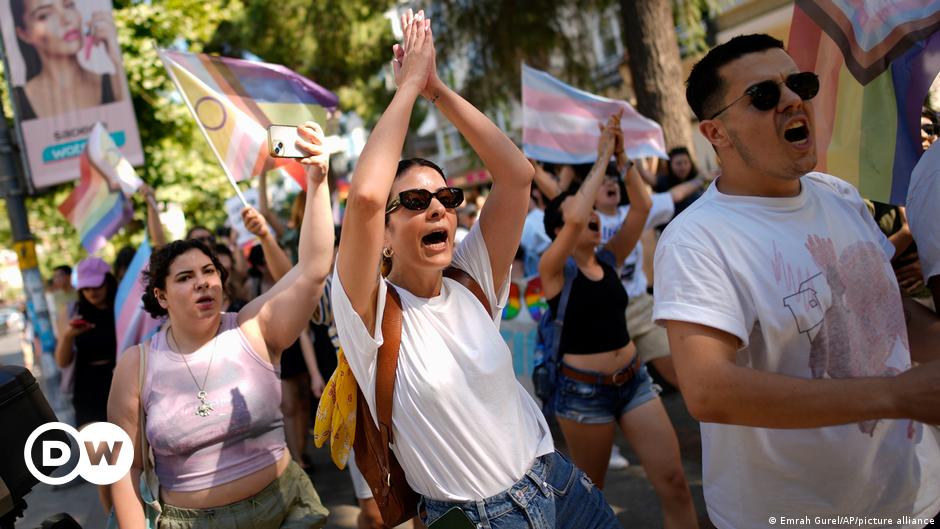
x: 53, y: 27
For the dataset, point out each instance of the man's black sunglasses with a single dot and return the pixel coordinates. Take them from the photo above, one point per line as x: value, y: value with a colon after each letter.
x: 765, y: 95
x: 929, y: 129
x: 420, y: 199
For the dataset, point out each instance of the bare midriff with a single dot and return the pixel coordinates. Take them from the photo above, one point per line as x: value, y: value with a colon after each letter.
x: 607, y: 363
x: 227, y: 493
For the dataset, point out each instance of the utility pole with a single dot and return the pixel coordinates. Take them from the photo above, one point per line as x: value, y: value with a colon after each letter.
x: 11, y: 189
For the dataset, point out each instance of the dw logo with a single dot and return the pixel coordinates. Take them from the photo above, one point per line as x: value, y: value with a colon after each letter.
x: 105, y: 453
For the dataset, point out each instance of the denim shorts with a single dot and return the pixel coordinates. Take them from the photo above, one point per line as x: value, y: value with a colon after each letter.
x: 588, y: 403
x: 552, y: 494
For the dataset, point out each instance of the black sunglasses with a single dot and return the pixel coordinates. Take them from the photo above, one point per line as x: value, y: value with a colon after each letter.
x: 929, y: 129
x: 765, y: 95
x: 420, y: 199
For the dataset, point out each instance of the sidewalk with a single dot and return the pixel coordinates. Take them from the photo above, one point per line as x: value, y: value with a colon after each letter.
x: 628, y: 491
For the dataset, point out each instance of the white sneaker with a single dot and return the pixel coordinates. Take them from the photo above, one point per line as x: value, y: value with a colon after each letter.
x: 617, y: 461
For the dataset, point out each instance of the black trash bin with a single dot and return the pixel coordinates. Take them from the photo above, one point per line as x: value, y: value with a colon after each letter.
x: 23, y: 408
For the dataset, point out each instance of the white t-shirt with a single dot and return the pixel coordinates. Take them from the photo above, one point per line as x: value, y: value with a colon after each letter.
x: 923, y: 195
x: 632, y: 275
x: 464, y: 428
x: 806, y: 284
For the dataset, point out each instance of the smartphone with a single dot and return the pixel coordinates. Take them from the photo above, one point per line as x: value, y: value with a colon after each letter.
x: 78, y: 322
x: 455, y: 518
x: 282, y: 142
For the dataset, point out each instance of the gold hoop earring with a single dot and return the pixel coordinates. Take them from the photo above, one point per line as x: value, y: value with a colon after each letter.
x: 387, y: 252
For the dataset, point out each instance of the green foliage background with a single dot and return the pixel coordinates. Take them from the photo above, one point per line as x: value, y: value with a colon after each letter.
x: 341, y: 44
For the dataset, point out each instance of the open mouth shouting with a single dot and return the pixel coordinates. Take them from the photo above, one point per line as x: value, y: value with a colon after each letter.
x: 436, y: 240
x: 796, y: 133
x: 594, y: 226
x: 205, y: 302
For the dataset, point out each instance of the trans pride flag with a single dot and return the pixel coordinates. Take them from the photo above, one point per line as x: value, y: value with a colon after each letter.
x: 234, y: 101
x: 559, y: 122
x: 97, y: 206
x: 875, y: 61
x: 132, y: 323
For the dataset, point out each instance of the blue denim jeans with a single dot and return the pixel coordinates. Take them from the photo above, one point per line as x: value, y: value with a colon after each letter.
x: 587, y: 403
x: 553, y: 494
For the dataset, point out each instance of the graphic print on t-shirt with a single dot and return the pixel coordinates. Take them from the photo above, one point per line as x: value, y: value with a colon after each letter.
x: 850, y: 312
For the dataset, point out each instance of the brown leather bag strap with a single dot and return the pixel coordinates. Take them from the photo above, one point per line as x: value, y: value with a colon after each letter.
x: 387, y: 365
x: 469, y: 283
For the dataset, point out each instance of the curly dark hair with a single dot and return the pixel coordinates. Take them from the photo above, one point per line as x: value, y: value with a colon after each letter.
x: 160, y: 262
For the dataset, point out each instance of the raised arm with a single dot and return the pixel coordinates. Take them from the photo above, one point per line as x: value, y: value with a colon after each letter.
x: 503, y: 216
x: 360, y: 248
x: 547, y: 184
x: 577, y: 212
x: 623, y: 242
x: 265, y: 210
x: 278, y: 316
x: 154, y: 226
x: 278, y: 262
x: 718, y: 390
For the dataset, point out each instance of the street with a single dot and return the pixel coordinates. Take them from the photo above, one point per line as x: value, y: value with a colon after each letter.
x: 628, y: 491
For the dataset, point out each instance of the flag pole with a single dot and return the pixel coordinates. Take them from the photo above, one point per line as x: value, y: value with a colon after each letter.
x: 192, y: 111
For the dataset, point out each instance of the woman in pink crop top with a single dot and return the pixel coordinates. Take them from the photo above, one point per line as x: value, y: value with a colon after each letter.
x: 211, y: 392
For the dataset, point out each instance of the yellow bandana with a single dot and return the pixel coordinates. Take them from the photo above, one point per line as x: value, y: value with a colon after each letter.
x: 336, y: 415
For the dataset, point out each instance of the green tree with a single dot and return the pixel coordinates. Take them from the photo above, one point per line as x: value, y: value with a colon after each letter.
x: 342, y: 45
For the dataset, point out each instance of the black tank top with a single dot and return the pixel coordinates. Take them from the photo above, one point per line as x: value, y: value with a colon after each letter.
x: 26, y: 109
x: 595, y: 319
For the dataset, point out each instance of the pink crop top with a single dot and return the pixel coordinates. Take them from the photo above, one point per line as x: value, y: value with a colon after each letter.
x: 243, y: 433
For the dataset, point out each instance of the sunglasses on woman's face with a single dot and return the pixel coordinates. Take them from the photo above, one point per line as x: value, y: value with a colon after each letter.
x: 765, y: 95
x: 420, y: 199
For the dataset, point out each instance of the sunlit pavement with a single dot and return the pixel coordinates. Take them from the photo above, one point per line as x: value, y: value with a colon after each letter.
x: 628, y: 491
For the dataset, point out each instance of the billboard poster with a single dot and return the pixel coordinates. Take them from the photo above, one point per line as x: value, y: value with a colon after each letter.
x: 65, y: 72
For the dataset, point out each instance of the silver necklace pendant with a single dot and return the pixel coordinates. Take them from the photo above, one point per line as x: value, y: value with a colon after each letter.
x: 204, y: 408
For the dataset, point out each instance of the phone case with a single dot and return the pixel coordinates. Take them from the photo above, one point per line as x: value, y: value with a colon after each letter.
x: 455, y: 518
x: 282, y: 142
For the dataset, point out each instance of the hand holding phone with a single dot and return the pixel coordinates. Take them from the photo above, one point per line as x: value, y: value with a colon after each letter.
x: 282, y: 142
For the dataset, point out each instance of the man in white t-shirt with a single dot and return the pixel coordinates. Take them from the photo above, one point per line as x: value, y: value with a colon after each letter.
x: 923, y: 195
x: 785, y: 320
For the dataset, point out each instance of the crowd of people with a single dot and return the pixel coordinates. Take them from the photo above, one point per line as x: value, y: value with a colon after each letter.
x: 801, y: 332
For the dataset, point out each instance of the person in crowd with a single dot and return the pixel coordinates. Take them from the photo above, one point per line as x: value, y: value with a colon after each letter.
x: 201, y: 234
x: 233, y: 294
x: 466, y: 216
x: 300, y: 375
x: 602, y: 382
x: 785, y: 322
x: 87, y: 346
x: 50, y: 35
x: 60, y: 296
x: 929, y: 131
x: 88, y: 338
x: 211, y: 395
x: 534, y: 240
x: 467, y: 434
x: 680, y: 170
x: 923, y: 195
x: 650, y: 339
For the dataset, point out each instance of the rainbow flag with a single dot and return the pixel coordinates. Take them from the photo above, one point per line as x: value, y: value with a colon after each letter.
x: 559, y: 122
x: 132, y: 323
x: 97, y: 206
x: 876, y: 62
x: 234, y: 101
